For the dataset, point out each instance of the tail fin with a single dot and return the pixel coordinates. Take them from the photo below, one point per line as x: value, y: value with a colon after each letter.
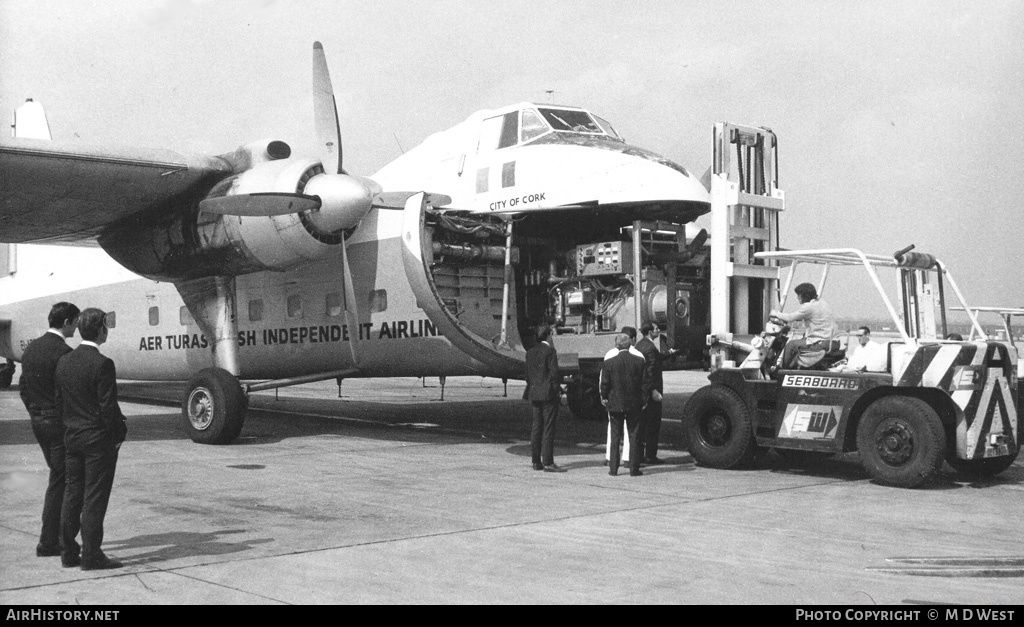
x: 30, y: 121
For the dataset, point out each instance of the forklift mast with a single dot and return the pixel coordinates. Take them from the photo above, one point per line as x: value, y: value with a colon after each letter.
x: 746, y: 203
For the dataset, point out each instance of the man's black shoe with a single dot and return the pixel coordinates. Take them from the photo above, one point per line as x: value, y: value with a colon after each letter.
x: 538, y: 466
x: 553, y: 468
x: 70, y: 561
x: 636, y: 473
x: 654, y: 461
x: 613, y: 472
x: 101, y: 563
x: 47, y: 551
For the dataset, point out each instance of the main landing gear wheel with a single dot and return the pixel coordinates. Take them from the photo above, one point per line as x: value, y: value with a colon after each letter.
x: 6, y: 375
x: 584, y: 398
x: 901, y: 441
x: 972, y: 469
x: 718, y: 427
x: 213, y: 409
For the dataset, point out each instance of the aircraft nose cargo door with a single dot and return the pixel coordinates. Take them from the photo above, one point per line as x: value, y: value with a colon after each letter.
x: 488, y: 357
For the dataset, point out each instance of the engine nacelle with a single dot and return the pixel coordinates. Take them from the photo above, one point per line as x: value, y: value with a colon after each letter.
x: 184, y: 242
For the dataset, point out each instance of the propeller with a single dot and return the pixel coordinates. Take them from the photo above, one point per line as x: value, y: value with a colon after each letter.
x: 332, y: 201
x: 325, y: 112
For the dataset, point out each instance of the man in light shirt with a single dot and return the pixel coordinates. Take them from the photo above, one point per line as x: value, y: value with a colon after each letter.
x: 631, y: 332
x: 818, y: 318
x: 867, y: 356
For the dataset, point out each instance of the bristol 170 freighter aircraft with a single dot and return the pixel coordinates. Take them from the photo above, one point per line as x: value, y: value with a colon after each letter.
x: 263, y: 267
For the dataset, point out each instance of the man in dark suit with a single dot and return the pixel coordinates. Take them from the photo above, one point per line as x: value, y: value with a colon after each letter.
x: 94, y: 430
x: 38, y: 369
x: 542, y: 390
x: 625, y: 387
x: 655, y: 354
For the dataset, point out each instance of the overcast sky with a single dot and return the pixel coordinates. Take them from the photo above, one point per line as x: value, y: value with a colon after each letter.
x: 898, y: 122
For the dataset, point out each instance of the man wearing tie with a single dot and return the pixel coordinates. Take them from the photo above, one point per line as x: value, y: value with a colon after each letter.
x: 38, y: 371
x: 542, y: 390
x: 625, y: 387
x: 655, y: 354
x: 94, y: 430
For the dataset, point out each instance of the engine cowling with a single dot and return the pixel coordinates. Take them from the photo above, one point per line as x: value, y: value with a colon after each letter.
x: 184, y: 242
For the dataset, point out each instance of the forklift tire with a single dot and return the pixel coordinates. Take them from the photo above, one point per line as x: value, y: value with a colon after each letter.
x: 718, y: 427
x: 584, y: 398
x: 974, y: 469
x: 901, y: 441
x: 213, y: 408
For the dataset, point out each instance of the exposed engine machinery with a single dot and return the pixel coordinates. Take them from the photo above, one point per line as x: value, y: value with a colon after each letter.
x: 577, y: 276
x: 275, y: 214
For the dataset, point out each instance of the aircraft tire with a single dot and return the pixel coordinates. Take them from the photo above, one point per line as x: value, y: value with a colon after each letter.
x: 584, y: 398
x: 974, y: 469
x: 6, y: 375
x: 213, y: 409
x: 901, y: 441
x: 718, y: 427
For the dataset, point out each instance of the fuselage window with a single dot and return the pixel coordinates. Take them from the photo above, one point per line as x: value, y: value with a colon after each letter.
x: 185, y: 316
x: 533, y: 125
x: 154, y: 316
x: 572, y: 121
x: 334, y: 304
x: 110, y: 319
x: 295, y: 306
x: 378, y: 300
x: 255, y: 310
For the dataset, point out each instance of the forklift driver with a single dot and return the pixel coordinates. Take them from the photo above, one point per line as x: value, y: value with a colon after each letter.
x: 820, y: 323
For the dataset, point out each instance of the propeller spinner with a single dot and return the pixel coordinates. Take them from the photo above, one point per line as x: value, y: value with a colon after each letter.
x: 333, y: 201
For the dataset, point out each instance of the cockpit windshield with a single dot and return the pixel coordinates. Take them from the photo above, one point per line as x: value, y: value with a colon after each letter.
x: 573, y: 121
x: 525, y: 125
x: 608, y: 128
x: 533, y: 125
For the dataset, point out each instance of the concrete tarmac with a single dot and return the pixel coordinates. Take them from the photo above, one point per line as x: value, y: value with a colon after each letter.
x: 410, y: 499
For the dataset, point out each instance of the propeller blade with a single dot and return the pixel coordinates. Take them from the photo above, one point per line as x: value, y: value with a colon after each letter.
x: 325, y: 113
x: 260, y: 204
x: 396, y: 200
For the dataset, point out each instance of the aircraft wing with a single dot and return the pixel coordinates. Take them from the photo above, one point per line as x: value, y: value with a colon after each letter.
x: 65, y: 192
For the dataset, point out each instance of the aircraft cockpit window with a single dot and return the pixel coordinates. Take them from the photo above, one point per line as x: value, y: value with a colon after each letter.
x: 533, y: 125
x: 499, y: 132
x: 571, y: 121
x: 509, y: 130
x: 608, y: 128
